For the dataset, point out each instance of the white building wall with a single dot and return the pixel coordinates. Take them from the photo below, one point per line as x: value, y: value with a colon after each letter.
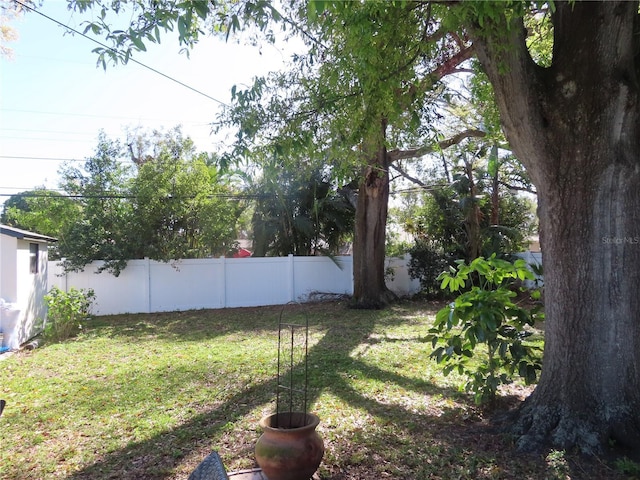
x: 8, y: 268
x: 30, y: 289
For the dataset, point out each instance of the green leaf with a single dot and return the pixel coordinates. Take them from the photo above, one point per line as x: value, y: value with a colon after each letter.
x: 182, y: 28
x: 235, y: 22
x: 522, y: 274
x: 315, y: 8
x: 442, y: 316
x: 202, y: 8
x: 138, y: 43
x: 437, y: 354
x: 492, y: 164
x: 480, y: 334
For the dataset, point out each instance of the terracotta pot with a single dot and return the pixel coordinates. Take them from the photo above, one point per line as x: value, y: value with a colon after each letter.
x: 289, y: 448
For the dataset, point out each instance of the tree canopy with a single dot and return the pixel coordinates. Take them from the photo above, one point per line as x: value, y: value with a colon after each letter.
x: 298, y: 212
x: 169, y: 202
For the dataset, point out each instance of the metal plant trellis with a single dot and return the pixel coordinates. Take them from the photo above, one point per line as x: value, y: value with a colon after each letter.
x: 293, y: 367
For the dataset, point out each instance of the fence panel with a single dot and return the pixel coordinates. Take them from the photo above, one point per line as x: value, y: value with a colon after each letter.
x: 322, y: 275
x: 150, y: 286
x: 186, y: 285
x: 257, y: 282
x: 127, y: 293
x: 398, y: 279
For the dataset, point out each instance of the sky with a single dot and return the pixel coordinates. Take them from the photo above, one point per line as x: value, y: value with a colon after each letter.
x: 54, y: 100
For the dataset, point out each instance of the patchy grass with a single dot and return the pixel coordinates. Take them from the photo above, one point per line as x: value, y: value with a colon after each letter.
x: 149, y: 396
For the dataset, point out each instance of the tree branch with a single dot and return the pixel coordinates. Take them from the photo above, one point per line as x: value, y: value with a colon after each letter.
x: 423, y: 186
x: 449, y: 66
x: 397, y: 154
x: 404, y: 174
x: 519, y: 189
x: 519, y: 92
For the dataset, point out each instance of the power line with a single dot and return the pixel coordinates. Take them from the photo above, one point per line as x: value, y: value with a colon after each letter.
x: 56, y: 132
x: 70, y: 29
x: 101, y: 116
x: 32, y: 188
x: 117, y: 196
x: 44, y: 139
x: 70, y: 114
x: 33, y: 193
x: 55, y: 159
x: 91, y: 134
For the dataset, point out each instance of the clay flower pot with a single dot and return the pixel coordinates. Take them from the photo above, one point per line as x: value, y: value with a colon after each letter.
x: 289, y: 448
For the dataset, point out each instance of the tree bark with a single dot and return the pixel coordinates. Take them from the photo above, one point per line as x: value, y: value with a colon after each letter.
x: 576, y: 128
x: 369, y: 287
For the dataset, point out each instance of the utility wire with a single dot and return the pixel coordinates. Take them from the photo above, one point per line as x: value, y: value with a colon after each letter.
x: 119, y: 53
x: 44, y: 139
x: 46, y: 193
x: 56, y: 132
x: 109, y: 196
x: 90, y: 115
x: 54, y: 159
x: 70, y: 114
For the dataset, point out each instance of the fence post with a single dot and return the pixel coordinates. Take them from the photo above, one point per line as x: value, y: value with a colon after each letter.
x: 223, y: 282
x: 147, y: 286
x: 291, y: 279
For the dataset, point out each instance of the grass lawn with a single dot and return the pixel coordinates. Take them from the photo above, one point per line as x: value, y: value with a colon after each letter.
x: 149, y: 396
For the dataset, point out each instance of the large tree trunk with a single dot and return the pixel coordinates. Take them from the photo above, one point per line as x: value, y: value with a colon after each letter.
x: 369, y: 288
x: 576, y: 127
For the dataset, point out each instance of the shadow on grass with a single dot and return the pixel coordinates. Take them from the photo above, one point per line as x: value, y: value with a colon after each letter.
x: 185, y: 326
x: 400, y: 442
x: 160, y: 456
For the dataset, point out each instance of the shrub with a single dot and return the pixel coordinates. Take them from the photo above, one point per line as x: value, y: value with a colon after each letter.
x: 486, y: 313
x: 66, y: 312
x: 427, y: 264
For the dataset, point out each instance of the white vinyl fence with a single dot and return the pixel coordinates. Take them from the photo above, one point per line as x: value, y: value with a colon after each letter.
x: 535, y: 259
x: 147, y: 286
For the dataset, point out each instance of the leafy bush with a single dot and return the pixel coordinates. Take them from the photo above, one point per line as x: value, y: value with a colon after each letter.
x: 427, y: 264
x: 486, y: 314
x: 67, y: 311
x: 629, y: 467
